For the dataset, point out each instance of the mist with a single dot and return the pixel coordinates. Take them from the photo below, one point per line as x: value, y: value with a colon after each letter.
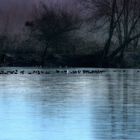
x: 14, y: 13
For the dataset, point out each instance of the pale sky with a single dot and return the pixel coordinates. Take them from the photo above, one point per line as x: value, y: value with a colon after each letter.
x: 14, y: 13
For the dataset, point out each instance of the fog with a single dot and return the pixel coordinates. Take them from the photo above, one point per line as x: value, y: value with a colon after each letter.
x: 14, y: 13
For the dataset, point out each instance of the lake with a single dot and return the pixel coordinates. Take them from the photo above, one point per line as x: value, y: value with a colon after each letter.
x: 98, y: 106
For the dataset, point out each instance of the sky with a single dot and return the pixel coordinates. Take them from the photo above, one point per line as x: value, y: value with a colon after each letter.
x: 14, y: 13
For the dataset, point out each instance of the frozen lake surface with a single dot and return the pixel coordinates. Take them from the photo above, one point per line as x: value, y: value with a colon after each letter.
x: 104, y: 106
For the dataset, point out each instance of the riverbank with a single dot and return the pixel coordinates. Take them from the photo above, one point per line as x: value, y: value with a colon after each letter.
x: 51, y: 61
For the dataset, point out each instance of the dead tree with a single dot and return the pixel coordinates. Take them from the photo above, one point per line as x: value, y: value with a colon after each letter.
x: 128, y: 27
x: 122, y: 18
x: 51, y: 25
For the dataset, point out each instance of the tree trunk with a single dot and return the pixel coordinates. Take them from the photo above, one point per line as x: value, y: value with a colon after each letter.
x: 111, y: 30
x: 44, y: 56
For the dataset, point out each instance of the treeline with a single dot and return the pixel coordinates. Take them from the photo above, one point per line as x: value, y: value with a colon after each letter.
x: 110, y: 37
x: 119, y: 20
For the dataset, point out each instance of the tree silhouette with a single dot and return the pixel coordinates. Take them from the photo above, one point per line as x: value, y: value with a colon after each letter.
x: 51, y: 26
x: 122, y: 22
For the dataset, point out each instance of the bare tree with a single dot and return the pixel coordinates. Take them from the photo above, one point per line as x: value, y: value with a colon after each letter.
x: 127, y: 27
x: 52, y: 25
x: 122, y: 18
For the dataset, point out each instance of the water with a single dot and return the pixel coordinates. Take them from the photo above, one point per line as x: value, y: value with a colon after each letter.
x: 70, y: 107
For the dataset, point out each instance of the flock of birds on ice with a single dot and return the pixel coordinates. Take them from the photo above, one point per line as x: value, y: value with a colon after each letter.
x: 57, y: 71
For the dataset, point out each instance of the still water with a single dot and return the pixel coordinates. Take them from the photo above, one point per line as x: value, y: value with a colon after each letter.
x: 70, y: 107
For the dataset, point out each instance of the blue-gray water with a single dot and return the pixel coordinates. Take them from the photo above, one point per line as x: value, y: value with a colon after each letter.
x: 102, y: 106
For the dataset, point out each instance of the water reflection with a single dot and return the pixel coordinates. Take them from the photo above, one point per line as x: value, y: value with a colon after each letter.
x: 70, y: 107
x: 119, y: 116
